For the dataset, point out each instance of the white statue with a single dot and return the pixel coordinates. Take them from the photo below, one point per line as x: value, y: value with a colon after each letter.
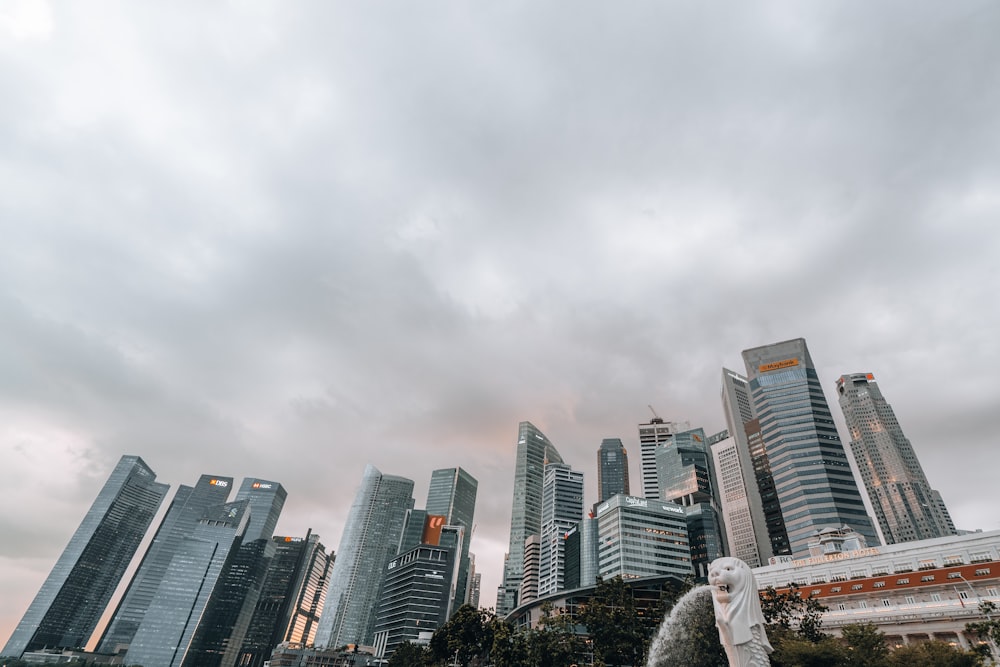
x: 737, y: 613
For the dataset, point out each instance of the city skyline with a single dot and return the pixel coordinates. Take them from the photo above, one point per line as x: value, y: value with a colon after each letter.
x: 314, y: 237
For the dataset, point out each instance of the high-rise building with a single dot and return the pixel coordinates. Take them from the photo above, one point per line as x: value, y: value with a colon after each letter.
x: 562, y: 509
x: 475, y: 582
x: 200, y: 561
x: 687, y: 478
x: 612, y: 469
x: 186, y: 509
x: 452, y: 494
x: 812, y: 476
x: 73, y: 597
x: 415, y: 596
x: 651, y: 436
x: 905, y: 505
x: 581, y: 554
x: 532, y: 569
x: 370, y: 540
x: 640, y: 537
x: 533, y: 451
x: 742, y: 475
x: 291, y: 600
x: 266, y: 500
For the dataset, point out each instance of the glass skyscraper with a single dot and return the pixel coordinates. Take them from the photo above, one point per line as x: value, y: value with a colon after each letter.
x: 813, y: 482
x: 370, y: 540
x: 168, y: 627
x: 73, y: 597
x: 452, y: 494
x: 533, y: 451
x: 612, y: 469
x: 266, y: 500
x: 905, y: 505
x: 562, y: 509
x: 186, y: 509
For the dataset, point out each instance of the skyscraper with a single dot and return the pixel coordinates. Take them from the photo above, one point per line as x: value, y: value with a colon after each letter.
x: 562, y: 509
x: 687, y: 478
x: 813, y: 481
x: 452, y: 494
x: 168, y: 627
x: 640, y: 537
x: 266, y: 499
x: 651, y: 436
x: 186, y: 509
x: 905, y: 505
x: 612, y: 469
x: 291, y: 600
x: 533, y: 451
x: 73, y: 597
x: 370, y: 540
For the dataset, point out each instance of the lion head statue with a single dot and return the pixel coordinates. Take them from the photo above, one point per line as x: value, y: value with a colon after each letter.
x: 736, y: 602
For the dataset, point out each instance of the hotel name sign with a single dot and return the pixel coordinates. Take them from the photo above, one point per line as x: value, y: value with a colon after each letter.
x: 828, y: 558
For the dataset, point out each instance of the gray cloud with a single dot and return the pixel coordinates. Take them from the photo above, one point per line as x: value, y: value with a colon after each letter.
x: 287, y: 241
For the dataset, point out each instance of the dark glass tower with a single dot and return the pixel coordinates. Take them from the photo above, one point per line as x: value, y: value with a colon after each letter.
x: 612, y: 469
x: 290, y: 601
x: 533, y: 451
x: 905, y: 505
x: 266, y: 500
x: 813, y: 482
x: 370, y: 540
x: 201, y: 560
x: 452, y: 494
x: 72, y: 599
x: 186, y: 509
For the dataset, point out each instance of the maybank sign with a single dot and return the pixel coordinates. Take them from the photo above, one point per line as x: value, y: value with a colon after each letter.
x: 776, y: 365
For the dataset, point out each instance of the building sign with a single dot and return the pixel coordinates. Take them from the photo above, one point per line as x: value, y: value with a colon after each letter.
x: 840, y: 555
x: 262, y: 485
x: 636, y: 502
x: 219, y: 482
x: 432, y: 529
x: 775, y: 365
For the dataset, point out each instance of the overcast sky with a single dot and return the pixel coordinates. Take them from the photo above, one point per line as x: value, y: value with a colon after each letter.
x: 289, y: 239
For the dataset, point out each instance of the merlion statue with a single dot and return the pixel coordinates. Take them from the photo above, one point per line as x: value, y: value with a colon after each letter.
x: 737, y: 613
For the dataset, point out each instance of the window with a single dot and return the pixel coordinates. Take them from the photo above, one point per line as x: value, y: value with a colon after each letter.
x: 841, y: 606
x: 954, y: 559
x: 980, y: 557
x: 900, y: 582
x: 886, y: 603
x: 954, y: 575
x: 858, y: 574
x: 927, y: 577
x: 935, y: 597
x: 857, y: 587
x: 835, y: 589
x: 910, y: 599
x: 982, y: 572
x: 878, y: 584
x: 863, y: 604
x: 992, y: 592
x: 964, y: 595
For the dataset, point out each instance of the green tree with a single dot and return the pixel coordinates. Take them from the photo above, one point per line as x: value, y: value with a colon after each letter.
x: 510, y: 647
x: 618, y: 634
x: 467, y: 638
x: 988, y: 630
x: 407, y: 654
x: 554, y: 643
x: 787, y: 610
x: 864, y: 645
x: 933, y: 654
x: 792, y: 650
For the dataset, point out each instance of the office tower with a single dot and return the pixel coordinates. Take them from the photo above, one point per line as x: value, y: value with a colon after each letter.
x: 291, y: 599
x: 452, y: 494
x: 415, y: 596
x: 533, y: 451
x: 639, y: 537
x: 532, y: 569
x: 651, y: 436
x: 414, y: 525
x: 370, y: 540
x: 581, y: 554
x: 73, y: 597
x: 812, y: 477
x: 186, y: 509
x: 562, y: 508
x: 612, y: 469
x: 744, y: 477
x: 687, y: 478
x: 475, y: 582
x: 168, y: 627
x: 266, y: 500
x: 905, y: 505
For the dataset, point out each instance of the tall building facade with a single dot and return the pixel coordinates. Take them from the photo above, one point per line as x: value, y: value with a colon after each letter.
x: 73, y: 597
x: 291, y: 599
x: 640, y: 537
x: 905, y: 505
x: 165, y: 636
x: 370, y: 540
x: 562, y: 509
x: 612, y: 469
x: 687, y: 478
x: 266, y: 500
x: 813, y: 482
x: 452, y: 494
x: 533, y: 451
x: 186, y: 509
x: 651, y: 436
